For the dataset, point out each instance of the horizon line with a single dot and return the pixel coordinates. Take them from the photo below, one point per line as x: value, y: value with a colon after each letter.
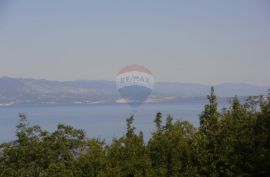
x: 169, y: 82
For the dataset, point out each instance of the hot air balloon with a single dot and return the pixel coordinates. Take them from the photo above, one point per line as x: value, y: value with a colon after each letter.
x: 135, y: 84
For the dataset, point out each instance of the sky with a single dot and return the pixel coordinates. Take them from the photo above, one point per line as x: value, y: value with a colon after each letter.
x: 189, y: 41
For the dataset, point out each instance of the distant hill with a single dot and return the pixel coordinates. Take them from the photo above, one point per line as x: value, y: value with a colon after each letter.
x: 32, y: 91
x: 222, y: 90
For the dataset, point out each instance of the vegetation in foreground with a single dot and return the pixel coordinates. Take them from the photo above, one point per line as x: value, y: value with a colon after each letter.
x: 232, y: 142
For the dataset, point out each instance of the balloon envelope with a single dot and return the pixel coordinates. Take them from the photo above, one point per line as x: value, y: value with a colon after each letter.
x: 135, y: 84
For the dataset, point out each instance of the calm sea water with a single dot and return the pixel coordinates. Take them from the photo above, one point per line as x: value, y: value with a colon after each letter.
x: 102, y: 121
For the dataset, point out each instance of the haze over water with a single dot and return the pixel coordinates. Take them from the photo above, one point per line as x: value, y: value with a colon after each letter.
x: 101, y: 121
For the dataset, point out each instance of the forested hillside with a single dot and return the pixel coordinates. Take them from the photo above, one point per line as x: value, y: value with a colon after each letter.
x: 233, y: 142
x: 16, y: 91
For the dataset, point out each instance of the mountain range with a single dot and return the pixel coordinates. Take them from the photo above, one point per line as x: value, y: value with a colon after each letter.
x: 14, y: 91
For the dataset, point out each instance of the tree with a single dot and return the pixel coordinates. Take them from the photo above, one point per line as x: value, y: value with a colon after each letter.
x: 93, y: 162
x: 262, y: 141
x: 209, y: 129
x: 158, y: 121
x: 39, y: 153
x: 128, y: 155
x: 169, y: 148
x: 237, y: 140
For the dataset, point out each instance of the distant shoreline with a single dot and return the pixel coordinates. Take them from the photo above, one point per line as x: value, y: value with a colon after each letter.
x: 184, y: 101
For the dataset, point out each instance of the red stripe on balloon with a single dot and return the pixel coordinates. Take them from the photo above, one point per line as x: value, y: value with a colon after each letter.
x: 134, y: 68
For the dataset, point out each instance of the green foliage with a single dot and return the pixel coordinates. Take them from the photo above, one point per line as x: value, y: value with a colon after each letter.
x: 127, y: 155
x: 169, y: 148
x: 208, y: 135
x: 39, y: 153
x: 262, y: 140
x: 232, y: 143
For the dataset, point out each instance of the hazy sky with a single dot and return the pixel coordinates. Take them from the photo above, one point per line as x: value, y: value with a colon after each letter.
x: 207, y: 42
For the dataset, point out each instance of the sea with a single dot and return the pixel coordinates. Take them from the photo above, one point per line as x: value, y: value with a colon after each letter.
x: 103, y: 121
